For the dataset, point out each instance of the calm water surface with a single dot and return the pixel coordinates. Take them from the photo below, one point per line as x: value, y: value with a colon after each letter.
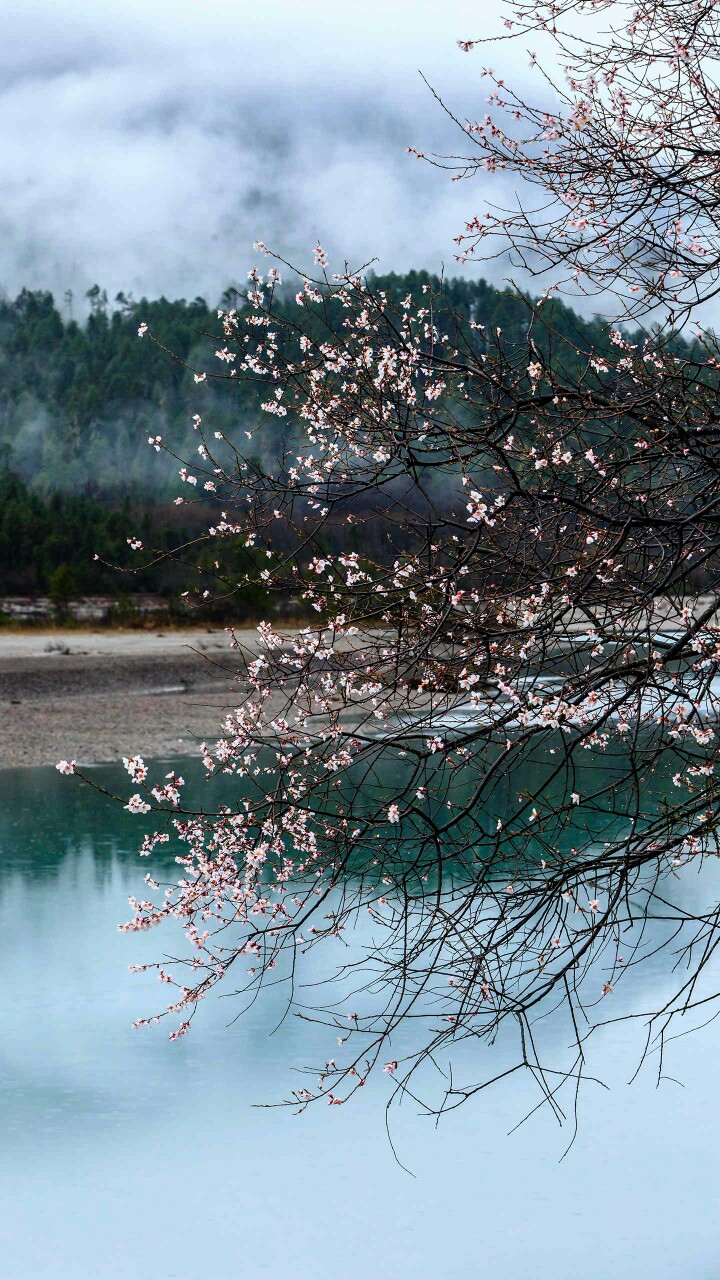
x: 125, y: 1155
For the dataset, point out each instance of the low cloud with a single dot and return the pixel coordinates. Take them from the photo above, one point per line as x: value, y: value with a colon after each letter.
x: 145, y: 147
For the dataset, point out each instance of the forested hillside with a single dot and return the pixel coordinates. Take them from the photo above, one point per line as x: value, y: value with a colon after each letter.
x: 79, y: 399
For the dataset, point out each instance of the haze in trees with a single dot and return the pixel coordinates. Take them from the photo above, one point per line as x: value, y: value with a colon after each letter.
x: 77, y: 473
x: 77, y: 417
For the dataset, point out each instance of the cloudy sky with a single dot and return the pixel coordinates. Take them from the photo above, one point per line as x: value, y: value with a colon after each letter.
x: 145, y: 146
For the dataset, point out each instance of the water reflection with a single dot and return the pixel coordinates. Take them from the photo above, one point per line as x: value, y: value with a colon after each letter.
x: 125, y: 1155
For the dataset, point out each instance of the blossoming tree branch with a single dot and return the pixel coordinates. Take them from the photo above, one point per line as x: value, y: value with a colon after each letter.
x: 477, y: 781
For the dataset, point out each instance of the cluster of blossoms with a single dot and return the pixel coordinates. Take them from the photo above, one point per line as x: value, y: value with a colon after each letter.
x: 511, y: 554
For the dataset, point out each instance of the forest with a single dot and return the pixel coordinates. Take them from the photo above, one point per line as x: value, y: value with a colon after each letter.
x: 80, y: 398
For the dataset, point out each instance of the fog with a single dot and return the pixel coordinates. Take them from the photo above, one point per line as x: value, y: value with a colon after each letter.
x: 146, y: 146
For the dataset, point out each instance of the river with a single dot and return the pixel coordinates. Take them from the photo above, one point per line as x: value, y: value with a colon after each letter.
x: 126, y: 1155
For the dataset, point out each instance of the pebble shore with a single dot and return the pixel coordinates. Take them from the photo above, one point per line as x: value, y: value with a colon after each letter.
x: 98, y: 696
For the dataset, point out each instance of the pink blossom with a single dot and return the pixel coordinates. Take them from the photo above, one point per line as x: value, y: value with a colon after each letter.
x: 136, y: 804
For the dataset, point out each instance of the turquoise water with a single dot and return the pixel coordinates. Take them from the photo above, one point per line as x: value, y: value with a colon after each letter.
x: 125, y: 1155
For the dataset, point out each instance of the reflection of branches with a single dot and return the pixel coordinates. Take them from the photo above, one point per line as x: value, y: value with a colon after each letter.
x: 496, y: 747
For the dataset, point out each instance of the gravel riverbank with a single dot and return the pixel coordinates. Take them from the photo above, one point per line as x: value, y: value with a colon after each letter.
x: 97, y: 696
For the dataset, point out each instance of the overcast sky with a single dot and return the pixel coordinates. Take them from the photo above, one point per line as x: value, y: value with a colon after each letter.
x: 145, y: 146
